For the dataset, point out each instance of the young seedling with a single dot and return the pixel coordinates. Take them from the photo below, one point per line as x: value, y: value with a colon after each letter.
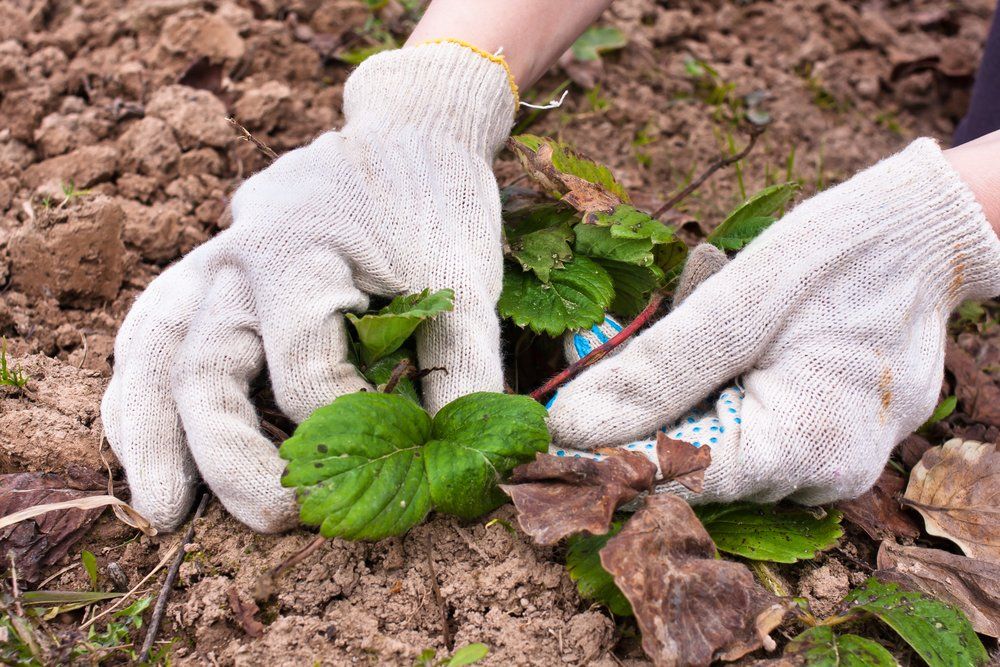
x: 71, y: 192
x: 10, y: 377
x: 469, y: 654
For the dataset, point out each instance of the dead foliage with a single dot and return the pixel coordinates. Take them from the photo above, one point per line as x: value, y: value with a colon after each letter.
x: 245, y: 613
x: 878, y: 512
x: 583, y: 195
x: 971, y: 585
x: 43, y: 540
x: 978, y: 396
x: 682, y: 462
x: 559, y: 496
x: 955, y: 487
x: 691, y: 607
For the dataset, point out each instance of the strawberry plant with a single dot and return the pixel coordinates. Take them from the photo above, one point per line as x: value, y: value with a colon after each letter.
x: 586, y: 249
x: 372, y: 465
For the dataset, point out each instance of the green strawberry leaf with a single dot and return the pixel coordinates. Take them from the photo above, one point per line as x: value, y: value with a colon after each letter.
x: 477, y: 440
x: 538, y: 237
x: 597, y: 40
x: 627, y: 222
x: 752, y: 217
x: 583, y: 562
x: 633, y: 285
x: 599, y: 242
x: 543, y: 251
x: 670, y: 258
x: 821, y: 647
x: 371, y: 465
x: 783, y: 534
x: 383, y: 332
x: 357, y: 466
x: 939, y: 633
x: 736, y: 235
x: 469, y: 654
x: 575, y: 297
x: 942, y: 411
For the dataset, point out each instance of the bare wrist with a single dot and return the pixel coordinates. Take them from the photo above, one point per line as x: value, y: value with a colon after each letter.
x: 978, y: 164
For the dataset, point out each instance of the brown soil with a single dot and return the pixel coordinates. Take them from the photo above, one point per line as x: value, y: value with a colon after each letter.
x: 128, y: 100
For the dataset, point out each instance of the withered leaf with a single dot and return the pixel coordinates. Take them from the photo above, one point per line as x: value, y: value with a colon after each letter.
x: 878, y: 511
x: 912, y: 448
x: 43, y: 540
x: 683, y: 462
x: 580, y: 182
x: 558, y: 496
x: 978, y: 395
x: 692, y: 608
x: 245, y: 613
x: 955, y: 488
x: 971, y: 585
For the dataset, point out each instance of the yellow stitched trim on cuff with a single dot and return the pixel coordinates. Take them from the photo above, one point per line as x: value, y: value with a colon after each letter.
x: 499, y: 60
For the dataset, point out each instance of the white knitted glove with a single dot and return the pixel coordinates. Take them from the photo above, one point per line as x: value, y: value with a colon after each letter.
x: 836, y: 319
x: 402, y: 199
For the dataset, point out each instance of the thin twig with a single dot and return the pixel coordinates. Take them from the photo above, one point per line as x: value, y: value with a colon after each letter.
x: 721, y: 163
x: 264, y: 587
x: 61, y: 572
x: 273, y: 430
x: 246, y: 136
x: 399, y: 371
x: 15, y: 593
x: 84, y: 359
x: 445, y: 629
x: 604, y: 350
x: 168, y: 583
x: 406, y: 369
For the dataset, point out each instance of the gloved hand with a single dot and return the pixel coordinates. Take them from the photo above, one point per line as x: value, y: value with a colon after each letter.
x: 403, y: 198
x: 835, y: 318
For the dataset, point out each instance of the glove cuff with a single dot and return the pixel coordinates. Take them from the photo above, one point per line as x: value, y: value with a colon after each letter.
x: 938, y: 220
x: 444, y: 91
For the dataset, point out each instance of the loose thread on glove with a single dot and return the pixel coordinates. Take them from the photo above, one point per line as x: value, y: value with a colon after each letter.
x: 600, y: 352
x: 553, y: 104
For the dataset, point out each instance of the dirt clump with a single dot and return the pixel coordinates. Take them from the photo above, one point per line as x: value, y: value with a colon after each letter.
x: 75, y: 255
x: 825, y: 586
x: 197, y: 117
x: 54, y: 423
x: 81, y: 168
x: 356, y: 601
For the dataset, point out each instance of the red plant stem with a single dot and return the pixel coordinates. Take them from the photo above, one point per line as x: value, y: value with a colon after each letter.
x: 604, y: 350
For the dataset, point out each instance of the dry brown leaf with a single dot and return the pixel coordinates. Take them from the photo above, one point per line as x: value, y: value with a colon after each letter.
x: 245, y: 613
x: 558, y: 496
x: 978, y: 396
x: 682, y: 462
x: 878, y: 511
x: 40, y: 541
x: 955, y: 488
x: 971, y: 585
x: 583, y: 195
x: 912, y: 448
x: 692, y: 608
